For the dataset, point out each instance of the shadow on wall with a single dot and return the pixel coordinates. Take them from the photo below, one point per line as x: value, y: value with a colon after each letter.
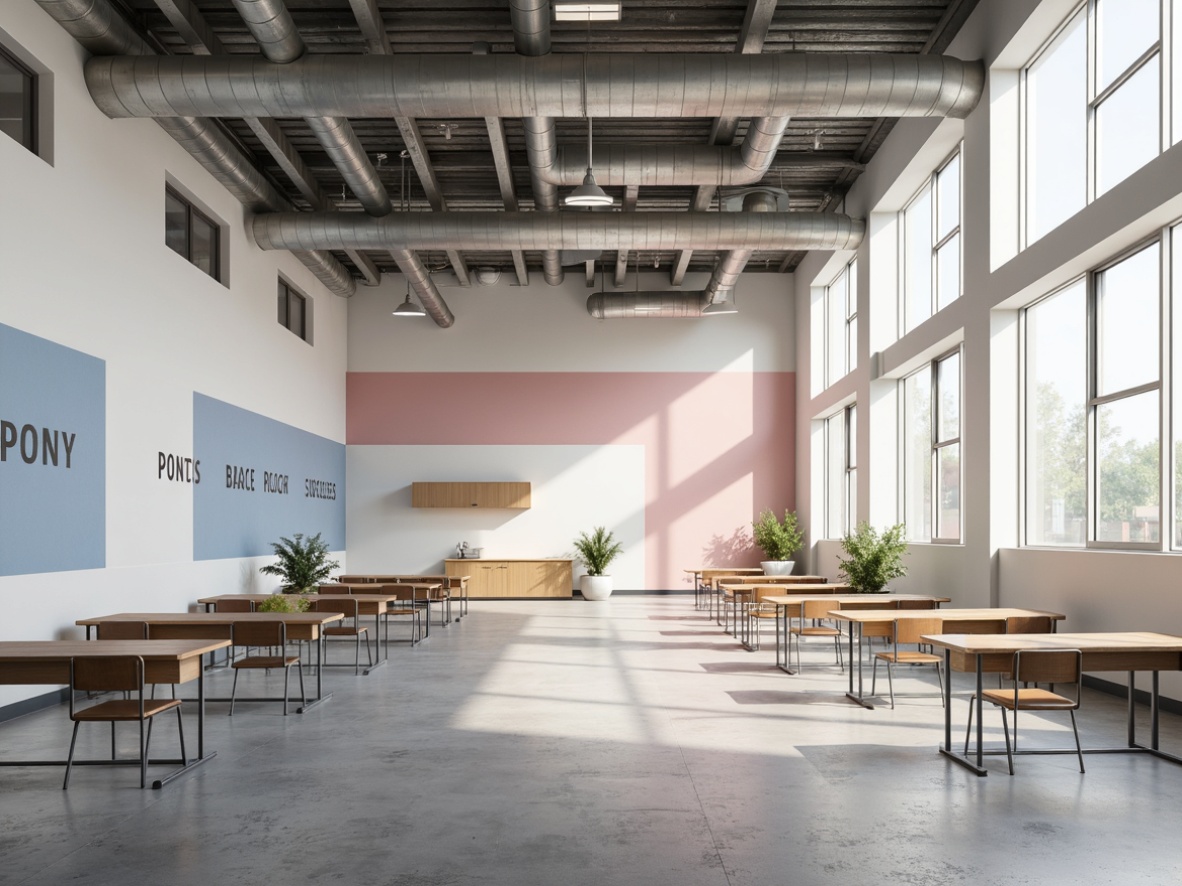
x: 735, y: 550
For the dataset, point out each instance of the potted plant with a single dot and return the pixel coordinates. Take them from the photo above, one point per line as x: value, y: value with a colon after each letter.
x: 283, y: 603
x: 596, y: 551
x: 872, y: 559
x: 303, y: 563
x: 779, y: 540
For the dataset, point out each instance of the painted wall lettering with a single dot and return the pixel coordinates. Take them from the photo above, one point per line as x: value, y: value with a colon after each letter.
x: 54, y: 447
x: 320, y: 489
x: 180, y: 468
x: 240, y: 478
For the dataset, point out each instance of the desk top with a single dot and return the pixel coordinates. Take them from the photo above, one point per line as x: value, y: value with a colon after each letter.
x: 789, y: 600
x: 259, y: 598
x: 176, y: 618
x: 1101, y: 641
x: 871, y: 615
x: 793, y: 587
x: 738, y: 570
x: 40, y: 650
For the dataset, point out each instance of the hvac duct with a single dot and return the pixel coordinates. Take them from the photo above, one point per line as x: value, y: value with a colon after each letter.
x: 647, y: 231
x: 531, y: 37
x: 726, y: 275
x: 616, y: 85
x: 630, y: 305
x: 420, y: 281
x: 99, y: 29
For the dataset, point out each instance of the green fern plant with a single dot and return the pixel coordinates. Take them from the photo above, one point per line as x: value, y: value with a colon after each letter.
x: 597, y: 550
x: 873, y: 559
x: 778, y: 540
x: 303, y: 563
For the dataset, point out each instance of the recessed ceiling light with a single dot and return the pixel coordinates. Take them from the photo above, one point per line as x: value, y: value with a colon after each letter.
x: 587, y: 12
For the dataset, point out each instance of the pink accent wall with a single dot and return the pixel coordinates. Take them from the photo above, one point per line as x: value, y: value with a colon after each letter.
x: 719, y: 446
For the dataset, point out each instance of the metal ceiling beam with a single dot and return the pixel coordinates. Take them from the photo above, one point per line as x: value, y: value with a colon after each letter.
x: 191, y: 26
x: 504, y: 167
x: 373, y: 29
x: 631, y: 193
x: 416, y: 150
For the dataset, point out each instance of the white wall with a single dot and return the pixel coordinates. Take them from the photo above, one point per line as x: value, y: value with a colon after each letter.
x: 83, y: 263
x: 1094, y: 589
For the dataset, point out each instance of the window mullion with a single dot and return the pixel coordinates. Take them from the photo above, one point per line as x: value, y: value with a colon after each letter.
x: 1126, y: 75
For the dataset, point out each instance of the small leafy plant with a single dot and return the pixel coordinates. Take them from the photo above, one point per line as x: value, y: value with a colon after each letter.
x: 779, y: 540
x: 598, y: 549
x: 303, y: 563
x: 283, y: 603
x: 873, y: 559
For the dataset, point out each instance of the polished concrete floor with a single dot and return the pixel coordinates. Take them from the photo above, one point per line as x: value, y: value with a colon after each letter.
x: 566, y: 743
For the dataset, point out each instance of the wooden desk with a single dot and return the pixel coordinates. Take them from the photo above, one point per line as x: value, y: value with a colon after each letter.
x: 702, y: 583
x: 860, y: 617
x: 428, y: 587
x: 47, y: 662
x: 367, y: 604
x: 1104, y: 651
x: 792, y: 604
x: 451, y: 582
x: 217, y: 626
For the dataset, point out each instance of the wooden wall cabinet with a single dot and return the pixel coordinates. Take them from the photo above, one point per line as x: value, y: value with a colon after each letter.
x: 514, y: 578
x: 471, y: 495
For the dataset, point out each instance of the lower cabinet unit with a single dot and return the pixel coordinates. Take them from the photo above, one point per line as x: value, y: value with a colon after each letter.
x: 514, y: 578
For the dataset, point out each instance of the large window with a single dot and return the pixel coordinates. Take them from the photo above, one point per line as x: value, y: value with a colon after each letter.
x: 1093, y: 112
x: 841, y: 472
x: 931, y: 450
x: 1093, y: 408
x: 841, y: 324
x: 190, y: 233
x: 931, y: 246
x: 18, y: 101
x: 293, y: 310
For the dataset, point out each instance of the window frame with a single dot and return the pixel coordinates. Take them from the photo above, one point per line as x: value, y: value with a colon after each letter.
x: 31, y: 109
x: 848, y: 470
x: 291, y: 292
x: 191, y: 212
x: 931, y: 186
x: 846, y: 316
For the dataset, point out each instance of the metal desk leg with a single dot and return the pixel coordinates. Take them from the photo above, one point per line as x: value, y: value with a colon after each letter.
x: 186, y: 765
x: 377, y: 639
x: 860, y: 697
x: 946, y: 750
x: 320, y: 696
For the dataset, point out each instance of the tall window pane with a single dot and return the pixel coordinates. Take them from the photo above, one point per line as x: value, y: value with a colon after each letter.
x: 1056, y: 409
x: 836, y: 299
x: 1125, y: 29
x: 204, y: 244
x: 1128, y: 470
x: 1176, y: 362
x: 948, y: 199
x: 176, y: 224
x: 1127, y: 123
x: 1056, y: 131
x: 948, y: 491
x: 1176, y: 88
x: 1127, y: 318
x: 917, y: 258
x: 851, y: 317
x: 835, y: 475
x: 917, y: 455
x: 948, y: 272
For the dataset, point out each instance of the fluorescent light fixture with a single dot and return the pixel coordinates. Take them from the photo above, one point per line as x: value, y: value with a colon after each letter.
x: 587, y: 12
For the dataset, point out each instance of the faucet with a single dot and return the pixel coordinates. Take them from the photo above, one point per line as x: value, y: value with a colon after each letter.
x: 462, y: 550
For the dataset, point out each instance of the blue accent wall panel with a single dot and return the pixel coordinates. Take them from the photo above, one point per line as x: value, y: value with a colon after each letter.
x: 53, y: 456
x: 261, y: 479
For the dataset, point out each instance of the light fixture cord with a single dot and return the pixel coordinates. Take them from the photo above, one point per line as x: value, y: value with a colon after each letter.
x: 586, y: 110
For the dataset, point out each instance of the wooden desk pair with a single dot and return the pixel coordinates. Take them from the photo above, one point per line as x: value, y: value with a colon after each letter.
x: 47, y: 662
x: 794, y: 605
x: 431, y: 590
x: 367, y: 604
x: 438, y: 582
x: 746, y: 593
x: 304, y: 626
x: 861, y: 617
x: 703, y: 576
x: 1104, y: 651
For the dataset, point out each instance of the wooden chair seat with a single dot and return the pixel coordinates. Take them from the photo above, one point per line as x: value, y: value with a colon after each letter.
x: 1030, y: 698
x: 123, y: 710
x: 267, y: 635
x: 806, y: 626
x: 908, y: 656
x: 267, y: 662
x: 908, y: 631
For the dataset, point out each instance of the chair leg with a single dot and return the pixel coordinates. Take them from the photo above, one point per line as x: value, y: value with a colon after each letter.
x: 874, y: 677
x: 890, y: 666
x: 303, y: 693
x: 969, y: 729
x: 112, y: 739
x: 70, y: 758
x: 357, y: 653
x: 180, y: 726
x: 286, y: 677
x: 145, y: 743
x: 1006, y: 729
x: 1078, y: 749
x: 233, y: 692
x: 940, y: 682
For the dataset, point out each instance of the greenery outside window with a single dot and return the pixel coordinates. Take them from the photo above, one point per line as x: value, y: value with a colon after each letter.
x: 191, y: 234
x: 18, y: 101
x: 293, y: 310
x: 930, y: 246
x: 931, y: 451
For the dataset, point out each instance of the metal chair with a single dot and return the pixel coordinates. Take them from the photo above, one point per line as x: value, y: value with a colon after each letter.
x: 264, y: 635
x: 907, y: 632
x: 116, y: 673
x: 1053, y: 666
x: 404, y: 606
x: 350, y: 626
x: 813, y: 611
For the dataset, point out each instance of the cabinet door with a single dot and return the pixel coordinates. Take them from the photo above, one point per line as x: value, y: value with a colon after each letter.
x: 488, y: 578
x: 539, y: 578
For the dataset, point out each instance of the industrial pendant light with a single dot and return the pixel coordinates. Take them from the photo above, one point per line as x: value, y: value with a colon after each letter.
x: 589, y: 193
x: 409, y: 308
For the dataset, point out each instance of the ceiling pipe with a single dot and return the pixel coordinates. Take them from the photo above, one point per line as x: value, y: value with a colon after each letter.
x: 616, y: 85
x: 645, y: 165
x: 100, y: 30
x: 531, y: 37
x: 726, y: 275
x: 646, y: 231
x: 420, y: 281
x: 653, y: 305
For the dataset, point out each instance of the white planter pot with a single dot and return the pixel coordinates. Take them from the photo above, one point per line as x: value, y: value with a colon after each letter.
x: 777, y: 567
x: 595, y: 587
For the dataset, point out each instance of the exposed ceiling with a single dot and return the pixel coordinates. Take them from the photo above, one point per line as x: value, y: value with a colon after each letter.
x: 461, y: 164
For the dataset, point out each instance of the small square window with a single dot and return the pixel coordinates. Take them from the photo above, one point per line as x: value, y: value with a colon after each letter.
x: 191, y: 234
x: 293, y: 310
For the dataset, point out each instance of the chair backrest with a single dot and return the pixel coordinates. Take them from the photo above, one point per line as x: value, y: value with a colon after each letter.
x: 1048, y: 665
x: 909, y: 630
x: 917, y: 604
x: 346, y: 606
x: 107, y: 673
x: 336, y: 589
x: 1029, y: 624
x: 973, y: 626
x: 122, y: 630
x: 233, y: 606
x: 862, y: 605
x: 817, y: 608
x: 258, y: 633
